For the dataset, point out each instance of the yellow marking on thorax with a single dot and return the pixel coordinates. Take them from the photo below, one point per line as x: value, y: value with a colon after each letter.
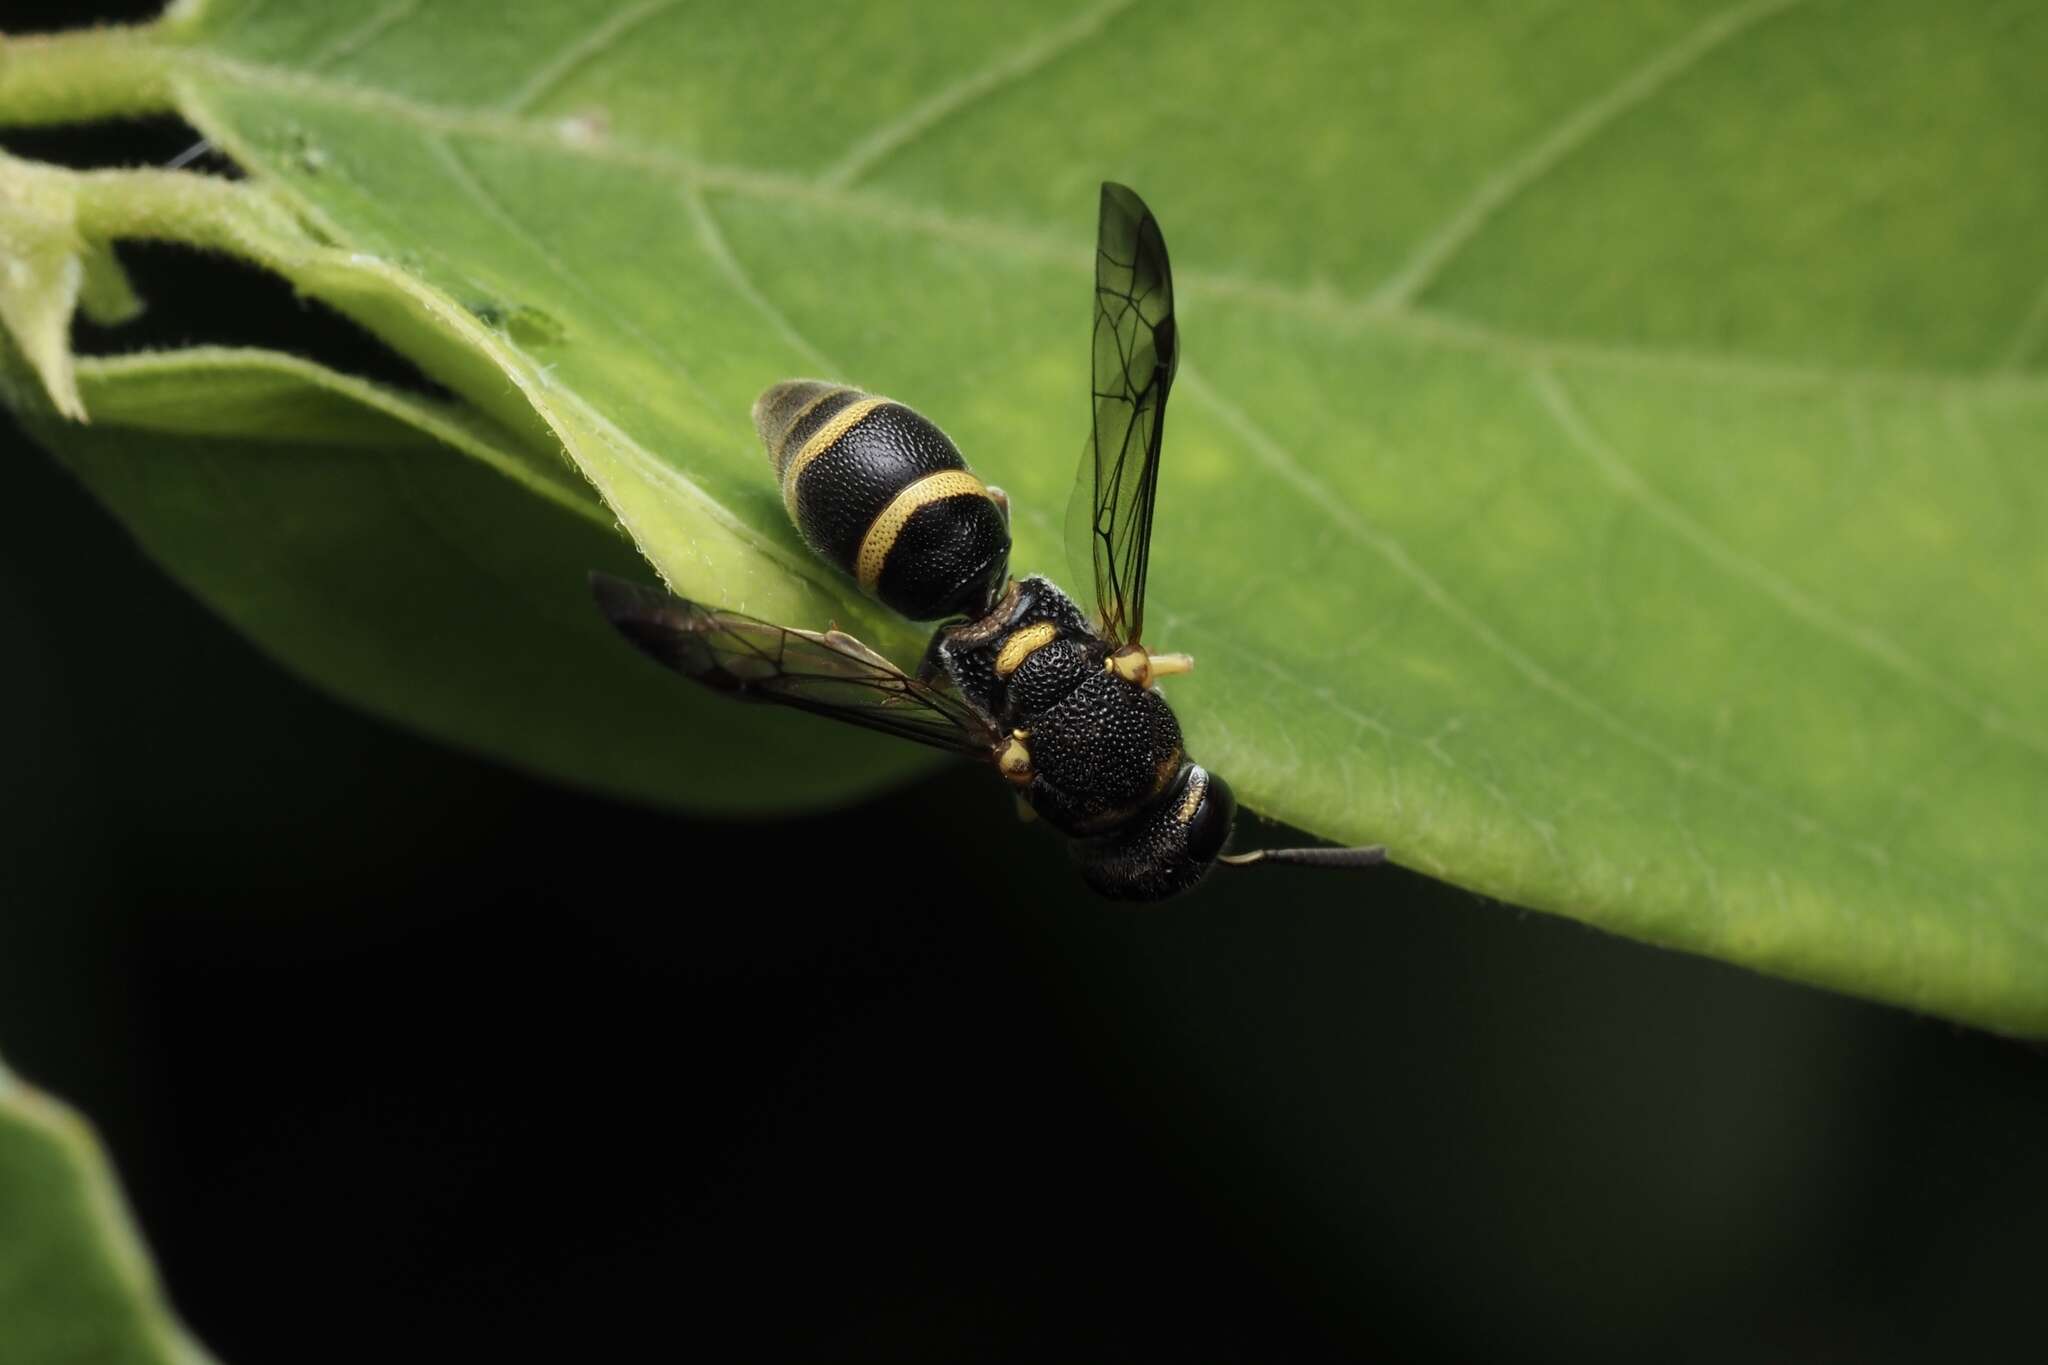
x: 1019, y: 645
x: 822, y: 440
x: 782, y: 444
x: 1198, y: 782
x: 881, y: 536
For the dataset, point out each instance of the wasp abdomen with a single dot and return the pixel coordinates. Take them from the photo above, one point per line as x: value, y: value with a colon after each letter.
x: 881, y: 493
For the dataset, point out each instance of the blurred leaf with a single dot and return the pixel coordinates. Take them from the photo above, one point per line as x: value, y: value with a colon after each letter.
x: 75, y: 1282
x: 1601, y: 468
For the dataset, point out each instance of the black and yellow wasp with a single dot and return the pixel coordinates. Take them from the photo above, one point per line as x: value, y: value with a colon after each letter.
x: 1062, y: 706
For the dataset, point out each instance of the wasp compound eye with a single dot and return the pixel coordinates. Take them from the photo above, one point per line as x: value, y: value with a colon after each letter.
x: 1210, y: 824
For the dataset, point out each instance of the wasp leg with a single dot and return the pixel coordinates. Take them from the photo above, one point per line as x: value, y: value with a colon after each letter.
x: 1136, y: 664
x: 931, y: 668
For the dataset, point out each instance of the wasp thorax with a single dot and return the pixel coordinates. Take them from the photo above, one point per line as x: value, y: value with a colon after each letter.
x: 880, y: 492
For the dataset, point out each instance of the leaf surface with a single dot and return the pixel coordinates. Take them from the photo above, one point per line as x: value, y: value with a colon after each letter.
x: 1604, y: 465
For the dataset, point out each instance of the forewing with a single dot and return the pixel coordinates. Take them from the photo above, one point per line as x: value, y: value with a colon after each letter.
x: 1109, y: 523
x: 828, y: 674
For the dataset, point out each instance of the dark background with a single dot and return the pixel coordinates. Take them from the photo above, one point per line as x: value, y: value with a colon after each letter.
x: 402, y: 1055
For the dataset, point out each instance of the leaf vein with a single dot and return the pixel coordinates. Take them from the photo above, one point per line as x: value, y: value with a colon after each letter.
x: 583, y: 51
x: 998, y: 239
x: 720, y: 251
x: 1021, y: 63
x: 493, y: 208
x: 1866, y: 640
x: 1277, y: 459
x: 241, y: 21
x: 1502, y: 186
x: 363, y: 34
x: 2031, y: 329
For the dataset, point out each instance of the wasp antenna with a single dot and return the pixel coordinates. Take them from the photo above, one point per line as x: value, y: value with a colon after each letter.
x: 1370, y: 855
x: 189, y: 155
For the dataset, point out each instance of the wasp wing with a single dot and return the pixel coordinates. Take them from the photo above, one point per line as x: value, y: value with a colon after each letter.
x: 827, y: 673
x: 1136, y: 350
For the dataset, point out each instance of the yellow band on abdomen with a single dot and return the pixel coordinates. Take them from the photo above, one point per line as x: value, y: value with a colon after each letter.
x: 881, y: 536
x: 822, y: 440
x: 780, y: 451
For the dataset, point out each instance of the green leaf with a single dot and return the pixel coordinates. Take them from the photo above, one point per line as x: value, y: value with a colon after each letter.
x: 415, y: 560
x: 75, y: 1282
x: 1603, y: 463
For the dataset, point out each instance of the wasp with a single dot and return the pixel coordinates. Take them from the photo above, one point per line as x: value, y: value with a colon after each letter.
x: 1062, y: 704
